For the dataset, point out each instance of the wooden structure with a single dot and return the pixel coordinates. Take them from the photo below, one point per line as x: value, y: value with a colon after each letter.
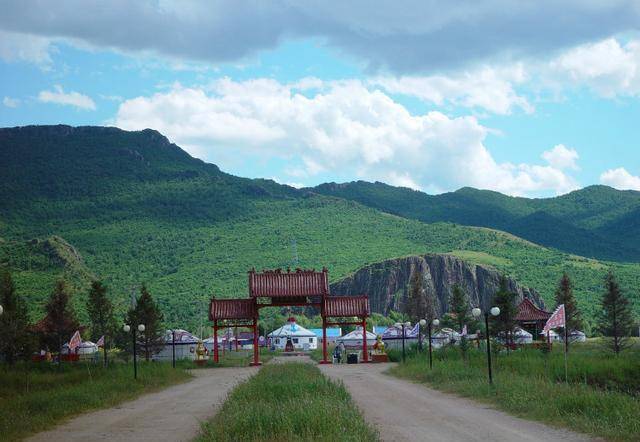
x: 277, y: 288
x: 531, y: 318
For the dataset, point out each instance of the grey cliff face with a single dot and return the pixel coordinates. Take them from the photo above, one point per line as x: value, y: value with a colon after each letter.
x: 387, y: 283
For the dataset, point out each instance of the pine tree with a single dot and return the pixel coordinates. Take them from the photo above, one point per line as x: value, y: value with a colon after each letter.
x: 616, y: 320
x: 147, y: 312
x: 416, y: 306
x: 100, y: 312
x: 459, y: 306
x: 17, y: 341
x: 60, y: 321
x: 505, y: 300
x: 564, y: 295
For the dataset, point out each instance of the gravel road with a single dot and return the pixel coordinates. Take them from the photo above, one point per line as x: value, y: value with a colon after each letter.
x: 173, y: 414
x: 404, y: 411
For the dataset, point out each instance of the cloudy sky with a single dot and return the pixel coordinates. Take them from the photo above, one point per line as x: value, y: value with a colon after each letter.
x: 533, y: 98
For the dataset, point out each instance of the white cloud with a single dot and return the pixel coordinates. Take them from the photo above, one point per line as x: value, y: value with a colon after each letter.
x: 607, y: 67
x: 561, y: 157
x: 59, y: 96
x: 17, y: 47
x: 345, y: 128
x: 487, y: 88
x: 11, y: 102
x: 620, y: 179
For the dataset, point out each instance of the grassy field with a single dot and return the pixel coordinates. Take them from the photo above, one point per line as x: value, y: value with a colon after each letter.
x: 290, y: 401
x: 43, y: 396
x: 602, y: 396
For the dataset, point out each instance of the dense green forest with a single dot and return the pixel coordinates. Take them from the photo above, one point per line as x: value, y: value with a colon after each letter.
x: 132, y: 208
x: 597, y: 221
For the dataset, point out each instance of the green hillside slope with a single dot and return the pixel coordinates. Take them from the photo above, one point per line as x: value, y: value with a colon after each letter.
x: 140, y: 210
x: 595, y: 221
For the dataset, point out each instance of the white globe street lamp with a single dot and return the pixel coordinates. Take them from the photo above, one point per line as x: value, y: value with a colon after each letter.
x: 436, y: 322
x: 141, y: 328
x: 126, y: 328
x: 1, y: 310
x: 495, y: 311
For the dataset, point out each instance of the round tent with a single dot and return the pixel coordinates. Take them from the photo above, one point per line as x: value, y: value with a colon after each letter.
x: 185, y: 346
x: 354, y: 339
x: 520, y: 336
x: 300, y: 337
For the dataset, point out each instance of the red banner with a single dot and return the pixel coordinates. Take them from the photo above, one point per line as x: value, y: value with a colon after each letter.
x: 556, y: 320
x: 75, y: 341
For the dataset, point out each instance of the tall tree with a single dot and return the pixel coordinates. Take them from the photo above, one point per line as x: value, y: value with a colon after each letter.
x: 416, y: 306
x: 148, y: 313
x: 616, y: 317
x: 100, y: 310
x: 459, y: 306
x: 564, y: 295
x: 16, y: 340
x: 505, y: 300
x: 60, y: 321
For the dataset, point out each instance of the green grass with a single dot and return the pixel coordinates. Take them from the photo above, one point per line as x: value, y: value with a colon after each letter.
x: 601, y: 398
x: 45, y: 396
x: 290, y: 401
x: 232, y: 358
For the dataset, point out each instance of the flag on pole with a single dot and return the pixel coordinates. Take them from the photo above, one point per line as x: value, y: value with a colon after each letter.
x: 464, y: 331
x: 75, y: 341
x: 556, y: 320
x: 413, y: 333
x: 100, y: 342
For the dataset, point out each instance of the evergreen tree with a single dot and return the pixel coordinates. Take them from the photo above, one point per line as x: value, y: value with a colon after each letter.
x: 60, y: 321
x: 16, y: 340
x: 416, y: 306
x: 564, y: 295
x: 459, y: 306
x: 147, y: 312
x: 616, y: 317
x: 100, y: 312
x: 505, y: 300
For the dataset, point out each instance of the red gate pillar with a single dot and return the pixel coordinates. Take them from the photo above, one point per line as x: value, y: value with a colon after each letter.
x: 256, y: 351
x: 365, y: 350
x: 324, y: 342
x: 215, y: 342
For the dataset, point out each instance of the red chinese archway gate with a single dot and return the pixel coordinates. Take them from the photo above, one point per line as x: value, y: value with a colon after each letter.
x: 277, y: 288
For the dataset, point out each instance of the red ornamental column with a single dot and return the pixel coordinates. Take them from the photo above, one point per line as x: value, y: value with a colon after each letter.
x: 256, y: 352
x: 215, y: 342
x: 324, y: 341
x: 365, y: 350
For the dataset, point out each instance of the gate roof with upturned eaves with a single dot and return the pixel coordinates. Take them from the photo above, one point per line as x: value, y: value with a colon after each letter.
x: 281, y: 284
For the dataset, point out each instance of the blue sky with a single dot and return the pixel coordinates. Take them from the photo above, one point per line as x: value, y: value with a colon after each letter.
x: 325, y: 92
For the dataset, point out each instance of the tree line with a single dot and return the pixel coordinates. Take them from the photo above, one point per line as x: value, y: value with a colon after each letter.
x: 616, y: 320
x: 20, y: 338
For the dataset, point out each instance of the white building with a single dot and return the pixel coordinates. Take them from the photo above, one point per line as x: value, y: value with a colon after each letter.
x: 300, y: 337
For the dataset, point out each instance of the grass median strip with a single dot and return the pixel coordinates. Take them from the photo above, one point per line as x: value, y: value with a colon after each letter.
x: 601, y: 398
x: 43, y: 396
x: 290, y: 401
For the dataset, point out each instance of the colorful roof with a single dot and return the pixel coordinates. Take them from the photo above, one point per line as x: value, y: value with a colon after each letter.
x: 527, y: 311
x: 346, y: 306
x: 278, y: 283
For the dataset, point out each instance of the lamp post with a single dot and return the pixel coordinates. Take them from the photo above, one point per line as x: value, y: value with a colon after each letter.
x: 403, y: 327
x: 173, y: 348
x: 127, y: 328
x: 422, y: 323
x: 435, y: 323
x: 495, y: 311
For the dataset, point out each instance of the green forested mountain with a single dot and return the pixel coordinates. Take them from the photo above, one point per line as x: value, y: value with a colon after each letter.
x: 132, y: 208
x: 597, y: 221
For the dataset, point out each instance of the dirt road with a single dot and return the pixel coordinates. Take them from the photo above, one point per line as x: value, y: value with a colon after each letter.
x: 173, y: 414
x: 404, y: 411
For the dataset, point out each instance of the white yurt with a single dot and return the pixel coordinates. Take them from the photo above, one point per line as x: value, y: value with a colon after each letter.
x: 445, y: 336
x: 553, y: 336
x: 300, y: 337
x: 185, y: 345
x: 521, y: 336
x: 577, y: 336
x: 392, y: 337
x: 354, y: 339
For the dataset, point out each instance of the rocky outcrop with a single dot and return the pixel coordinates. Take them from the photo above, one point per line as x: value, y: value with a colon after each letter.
x: 387, y: 283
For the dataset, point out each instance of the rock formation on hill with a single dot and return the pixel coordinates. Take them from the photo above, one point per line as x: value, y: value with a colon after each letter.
x: 387, y: 283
